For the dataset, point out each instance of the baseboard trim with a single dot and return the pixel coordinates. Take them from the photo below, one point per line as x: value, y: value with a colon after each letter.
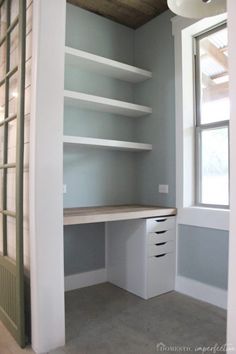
x: 201, y: 291
x: 81, y: 280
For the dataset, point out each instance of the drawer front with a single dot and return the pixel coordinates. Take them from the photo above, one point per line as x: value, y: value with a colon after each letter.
x: 161, y: 236
x: 160, y: 224
x: 161, y: 248
x: 161, y: 275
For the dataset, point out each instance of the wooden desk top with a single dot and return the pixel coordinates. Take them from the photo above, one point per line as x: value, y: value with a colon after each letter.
x: 75, y: 216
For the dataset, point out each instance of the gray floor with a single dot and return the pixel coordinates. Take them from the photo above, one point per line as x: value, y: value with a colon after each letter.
x: 104, y: 319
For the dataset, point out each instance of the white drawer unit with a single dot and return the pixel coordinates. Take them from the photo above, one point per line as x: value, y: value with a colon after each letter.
x: 161, y: 256
x: 141, y: 255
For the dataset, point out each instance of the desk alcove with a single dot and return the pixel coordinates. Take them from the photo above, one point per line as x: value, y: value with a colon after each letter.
x: 118, y: 139
x: 140, y: 246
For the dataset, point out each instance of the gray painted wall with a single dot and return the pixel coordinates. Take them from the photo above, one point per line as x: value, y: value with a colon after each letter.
x: 98, y: 177
x: 97, y: 35
x: 108, y: 177
x: 84, y: 248
x: 121, y: 177
x: 203, y: 255
x: 154, y: 50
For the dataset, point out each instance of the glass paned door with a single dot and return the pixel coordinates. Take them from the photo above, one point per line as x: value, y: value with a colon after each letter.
x: 12, y: 91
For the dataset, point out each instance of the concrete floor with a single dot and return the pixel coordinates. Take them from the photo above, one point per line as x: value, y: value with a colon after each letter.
x: 104, y: 319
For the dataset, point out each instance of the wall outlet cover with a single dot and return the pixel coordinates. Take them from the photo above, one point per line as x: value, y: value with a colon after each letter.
x: 163, y: 188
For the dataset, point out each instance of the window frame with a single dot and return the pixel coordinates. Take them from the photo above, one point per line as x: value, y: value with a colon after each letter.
x: 200, y: 127
x: 183, y: 31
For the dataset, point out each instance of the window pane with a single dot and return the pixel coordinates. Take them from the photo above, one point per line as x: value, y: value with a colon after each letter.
x: 14, y: 9
x: 214, y: 77
x: 214, y: 166
x: 3, y: 22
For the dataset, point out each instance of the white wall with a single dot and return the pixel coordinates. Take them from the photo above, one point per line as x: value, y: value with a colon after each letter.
x: 46, y: 176
x: 232, y: 247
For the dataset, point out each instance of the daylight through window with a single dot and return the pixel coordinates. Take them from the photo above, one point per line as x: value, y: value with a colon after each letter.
x: 212, y: 118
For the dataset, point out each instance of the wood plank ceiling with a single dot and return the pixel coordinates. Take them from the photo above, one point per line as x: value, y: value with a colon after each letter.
x: 131, y: 13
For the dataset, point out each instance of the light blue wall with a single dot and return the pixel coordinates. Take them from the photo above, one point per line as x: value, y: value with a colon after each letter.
x: 95, y: 34
x: 108, y: 177
x: 203, y: 255
x: 121, y: 177
x: 154, y: 49
x: 84, y: 248
x: 98, y: 177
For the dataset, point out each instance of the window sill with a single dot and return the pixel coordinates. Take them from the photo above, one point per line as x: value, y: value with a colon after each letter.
x: 204, y: 217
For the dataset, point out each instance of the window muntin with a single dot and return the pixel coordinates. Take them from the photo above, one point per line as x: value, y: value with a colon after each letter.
x: 212, y: 118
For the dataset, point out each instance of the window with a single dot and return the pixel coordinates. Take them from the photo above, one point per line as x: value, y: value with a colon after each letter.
x: 197, y: 207
x: 212, y: 118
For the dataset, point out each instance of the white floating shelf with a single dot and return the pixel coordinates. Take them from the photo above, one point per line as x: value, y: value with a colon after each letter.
x: 106, y: 144
x: 105, y: 66
x: 103, y: 104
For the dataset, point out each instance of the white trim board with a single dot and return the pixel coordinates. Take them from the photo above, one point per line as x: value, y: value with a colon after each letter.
x: 108, y: 67
x: 204, y: 217
x: 201, y: 291
x: 82, y: 280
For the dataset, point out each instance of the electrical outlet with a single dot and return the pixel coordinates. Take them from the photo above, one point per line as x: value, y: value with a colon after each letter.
x: 64, y: 188
x: 163, y: 188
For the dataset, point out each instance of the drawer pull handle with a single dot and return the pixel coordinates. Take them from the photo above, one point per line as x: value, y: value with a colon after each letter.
x: 161, y: 255
x: 161, y: 244
x: 161, y: 220
x: 160, y: 232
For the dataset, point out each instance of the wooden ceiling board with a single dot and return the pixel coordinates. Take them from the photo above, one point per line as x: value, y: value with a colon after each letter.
x: 160, y: 5
x: 137, y: 5
x: 131, y: 13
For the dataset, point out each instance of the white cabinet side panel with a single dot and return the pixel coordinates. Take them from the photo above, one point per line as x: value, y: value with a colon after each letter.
x: 126, y: 255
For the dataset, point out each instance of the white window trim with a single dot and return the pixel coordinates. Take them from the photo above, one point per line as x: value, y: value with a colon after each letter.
x: 183, y: 31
